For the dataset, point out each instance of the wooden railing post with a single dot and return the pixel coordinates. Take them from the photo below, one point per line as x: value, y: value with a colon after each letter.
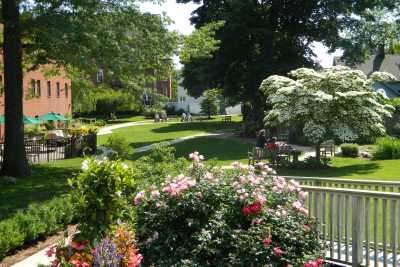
x: 357, y: 230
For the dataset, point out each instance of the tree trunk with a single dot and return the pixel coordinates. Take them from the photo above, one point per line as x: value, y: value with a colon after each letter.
x: 318, y: 153
x: 379, y: 57
x: 14, y: 158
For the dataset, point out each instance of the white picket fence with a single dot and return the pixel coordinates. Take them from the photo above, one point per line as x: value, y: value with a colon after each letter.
x: 359, y: 219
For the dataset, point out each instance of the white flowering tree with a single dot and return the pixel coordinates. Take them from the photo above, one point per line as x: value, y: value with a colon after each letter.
x: 336, y: 103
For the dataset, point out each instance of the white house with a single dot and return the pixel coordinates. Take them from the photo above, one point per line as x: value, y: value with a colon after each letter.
x: 192, y: 105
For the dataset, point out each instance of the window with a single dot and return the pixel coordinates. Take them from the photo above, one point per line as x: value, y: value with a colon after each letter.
x: 33, y: 87
x: 58, y: 89
x: 48, y: 88
x: 38, y: 88
x: 66, y: 90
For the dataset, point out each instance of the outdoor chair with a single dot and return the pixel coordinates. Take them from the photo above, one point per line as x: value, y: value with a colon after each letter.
x: 328, y: 148
x: 256, y: 155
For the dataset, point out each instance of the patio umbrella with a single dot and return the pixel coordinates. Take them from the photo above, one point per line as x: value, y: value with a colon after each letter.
x: 51, y: 116
x: 26, y: 120
x: 30, y: 120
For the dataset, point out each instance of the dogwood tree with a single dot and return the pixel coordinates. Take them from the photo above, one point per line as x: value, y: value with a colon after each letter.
x: 336, y: 103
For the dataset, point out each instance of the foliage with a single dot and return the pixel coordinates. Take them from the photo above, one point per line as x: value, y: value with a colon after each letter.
x: 387, y: 148
x: 349, y: 150
x: 209, y: 103
x: 100, y: 196
x: 83, y: 131
x: 86, y: 35
x: 215, y: 217
x: 117, y: 249
x: 261, y: 38
x: 36, y: 221
x: 158, y: 164
x: 150, y: 112
x: 119, y: 144
x: 201, y: 43
x: 336, y: 103
x: 375, y: 29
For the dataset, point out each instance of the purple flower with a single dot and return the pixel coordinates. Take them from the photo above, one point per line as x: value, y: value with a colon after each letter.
x: 106, y: 254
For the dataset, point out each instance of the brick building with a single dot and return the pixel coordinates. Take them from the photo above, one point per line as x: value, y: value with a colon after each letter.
x: 43, y: 94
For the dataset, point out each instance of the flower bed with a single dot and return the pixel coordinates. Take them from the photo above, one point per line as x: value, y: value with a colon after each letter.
x: 214, y: 217
x: 202, y: 217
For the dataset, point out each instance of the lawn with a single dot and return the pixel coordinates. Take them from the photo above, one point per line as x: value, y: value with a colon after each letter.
x: 355, y: 168
x: 143, y: 135
x: 47, y: 181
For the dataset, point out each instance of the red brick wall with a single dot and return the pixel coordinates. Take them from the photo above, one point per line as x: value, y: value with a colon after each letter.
x: 40, y: 105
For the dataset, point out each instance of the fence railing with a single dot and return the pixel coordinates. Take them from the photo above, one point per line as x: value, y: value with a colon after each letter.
x: 371, y: 185
x: 360, y: 227
x: 42, y: 150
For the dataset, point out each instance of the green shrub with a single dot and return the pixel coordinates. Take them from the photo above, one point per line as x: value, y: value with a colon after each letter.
x: 349, y: 150
x: 150, y: 112
x: 38, y: 220
x: 160, y: 162
x: 214, y: 217
x: 100, y: 196
x: 119, y: 145
x: 387, y: 148
x: 100, y: 123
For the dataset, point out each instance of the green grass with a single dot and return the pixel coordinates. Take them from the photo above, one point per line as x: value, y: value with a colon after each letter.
x: 143, y: 135
x: 124, y: 119
x: 46, y: 182
x: 215, y: 150
x: 355, y: 168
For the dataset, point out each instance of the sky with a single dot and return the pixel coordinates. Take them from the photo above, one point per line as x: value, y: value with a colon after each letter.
x: 180, y: 14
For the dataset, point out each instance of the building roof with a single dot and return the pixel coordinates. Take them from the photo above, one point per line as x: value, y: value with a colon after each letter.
x: 390, y: 89
x: 391, y: 64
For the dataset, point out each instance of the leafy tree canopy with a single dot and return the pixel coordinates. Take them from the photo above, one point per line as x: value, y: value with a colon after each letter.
x: 373, y: 31
x: 113, y: 35
x: 260, y: 38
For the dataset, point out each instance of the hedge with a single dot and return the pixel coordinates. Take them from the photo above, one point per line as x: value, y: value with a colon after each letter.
x: 349, y: 150
x: 38, y: 220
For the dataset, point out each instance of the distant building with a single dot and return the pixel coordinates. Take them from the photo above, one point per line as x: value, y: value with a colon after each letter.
x: 43, y: 94
x: 390, y: 64
x: 192, y: 104
x: 159, y: 85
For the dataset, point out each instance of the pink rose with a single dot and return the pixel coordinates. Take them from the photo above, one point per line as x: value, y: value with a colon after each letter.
x: 77, y: 245
x: 303, y: 195
x: 297, y: 205
x: 278, y: 251
x: 306, y: 228
x: 303, y: 210
x: 267, y: 241
x: 139, y: 196
x: 155, y: 193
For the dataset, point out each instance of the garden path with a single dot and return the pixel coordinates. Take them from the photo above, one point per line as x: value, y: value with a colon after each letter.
x: 109, y: 129
x: 175, y: 141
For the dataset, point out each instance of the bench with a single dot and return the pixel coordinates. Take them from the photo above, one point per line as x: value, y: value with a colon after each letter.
x: 227, y: 119
x: 328, y: 148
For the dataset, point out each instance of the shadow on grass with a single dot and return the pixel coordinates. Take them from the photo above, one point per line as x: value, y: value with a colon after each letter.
x: 196, y: 126
x: 341, y: 171
x: 45, y: 182
x: 223, y: 151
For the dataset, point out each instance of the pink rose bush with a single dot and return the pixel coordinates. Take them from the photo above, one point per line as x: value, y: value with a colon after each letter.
x: 244, y: 216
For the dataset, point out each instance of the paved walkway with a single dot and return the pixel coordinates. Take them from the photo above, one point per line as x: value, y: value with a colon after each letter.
x: 34, y: 260
x: 109, y: 129
x: 175, y: 141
